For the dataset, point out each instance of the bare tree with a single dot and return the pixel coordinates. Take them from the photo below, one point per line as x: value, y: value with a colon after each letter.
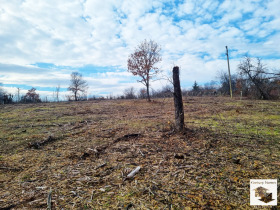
x: 78, y: 85
x: 225, y: 83
x: 256, y: 73
x: 56, y: 93
x: 165, y: 92
x: 2, y: 93
x: 142, y: 62
x: 129, y: 93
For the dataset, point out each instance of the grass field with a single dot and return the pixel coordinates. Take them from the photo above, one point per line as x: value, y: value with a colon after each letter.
x: 80, y: 153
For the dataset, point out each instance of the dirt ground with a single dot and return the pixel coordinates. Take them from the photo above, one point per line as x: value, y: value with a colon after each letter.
x: 77, y: 155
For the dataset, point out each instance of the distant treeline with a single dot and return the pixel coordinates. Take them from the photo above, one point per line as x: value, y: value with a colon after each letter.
x: 253, y: 80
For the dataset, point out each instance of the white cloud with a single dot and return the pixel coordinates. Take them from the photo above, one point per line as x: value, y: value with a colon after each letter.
x: 33, y: 76
x: 186, y: 8
x: 75, y: 33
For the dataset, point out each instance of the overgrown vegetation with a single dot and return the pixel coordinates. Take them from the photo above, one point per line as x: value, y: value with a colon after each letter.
x: 86, y: 149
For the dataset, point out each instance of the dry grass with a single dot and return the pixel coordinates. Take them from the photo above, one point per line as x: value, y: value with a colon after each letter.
x: 209, y: 166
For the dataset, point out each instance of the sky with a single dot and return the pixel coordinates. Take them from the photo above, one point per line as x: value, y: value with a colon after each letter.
x: 43, y: 41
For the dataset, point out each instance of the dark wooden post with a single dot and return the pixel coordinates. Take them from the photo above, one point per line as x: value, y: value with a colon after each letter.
x: 178, y: 101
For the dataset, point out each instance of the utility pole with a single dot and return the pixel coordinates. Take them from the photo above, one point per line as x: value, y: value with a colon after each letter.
x: 18, y: 94
x: 229, y: 77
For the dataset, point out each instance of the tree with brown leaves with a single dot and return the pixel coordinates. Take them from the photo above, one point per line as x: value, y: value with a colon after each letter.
x: 31, y: 96
x: 142, y: 62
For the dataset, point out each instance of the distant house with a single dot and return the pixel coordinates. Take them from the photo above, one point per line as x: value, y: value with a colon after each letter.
x: 260, y: 192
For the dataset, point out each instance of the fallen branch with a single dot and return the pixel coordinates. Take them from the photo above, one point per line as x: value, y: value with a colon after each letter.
x: 141, y: 153
x: 38, y: 144
x: 133, y: 173
x: 127, y: 136
x: 10, y: 169
x: 49, y: 201
x: 186, y: 166
x: 98, y: 150
x: 101, y: 165
x: 36, y: 201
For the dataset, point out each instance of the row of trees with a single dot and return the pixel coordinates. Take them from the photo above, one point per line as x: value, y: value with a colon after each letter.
x: 77, y: 86
x: 253, y: 79
x: 271, y: 87
x: 30, y: 97
x: 141, y: 63
x: 132, y: 93
x: 5, y: 98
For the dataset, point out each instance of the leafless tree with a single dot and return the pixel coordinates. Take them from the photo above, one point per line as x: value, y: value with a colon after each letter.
x: 165, y: 92
x: 56, y: 93
x: 225, y: 83
x: 78, y: 85
x: 2, y: 93
x: 257, y: 74
x: 143, y: 62
x: 129, y: 93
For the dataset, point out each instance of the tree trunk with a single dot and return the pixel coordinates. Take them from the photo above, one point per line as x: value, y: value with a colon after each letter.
x: 178, y: 101
x: 75, y: 95
x: 259, y: 88
x: 148, y: 91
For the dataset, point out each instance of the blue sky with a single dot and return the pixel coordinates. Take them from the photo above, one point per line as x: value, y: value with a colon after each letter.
x: 43, y: 41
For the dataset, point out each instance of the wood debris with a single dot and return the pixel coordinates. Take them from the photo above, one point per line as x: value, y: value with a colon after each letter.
x: 95, y: 145
x: 133, y: 173
x: 39, y: 144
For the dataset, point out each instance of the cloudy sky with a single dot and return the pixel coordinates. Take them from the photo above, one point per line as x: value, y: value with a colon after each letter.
x: 43, y: 41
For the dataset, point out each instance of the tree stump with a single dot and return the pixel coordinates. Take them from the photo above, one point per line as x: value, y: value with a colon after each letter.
x: 178, y: 101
